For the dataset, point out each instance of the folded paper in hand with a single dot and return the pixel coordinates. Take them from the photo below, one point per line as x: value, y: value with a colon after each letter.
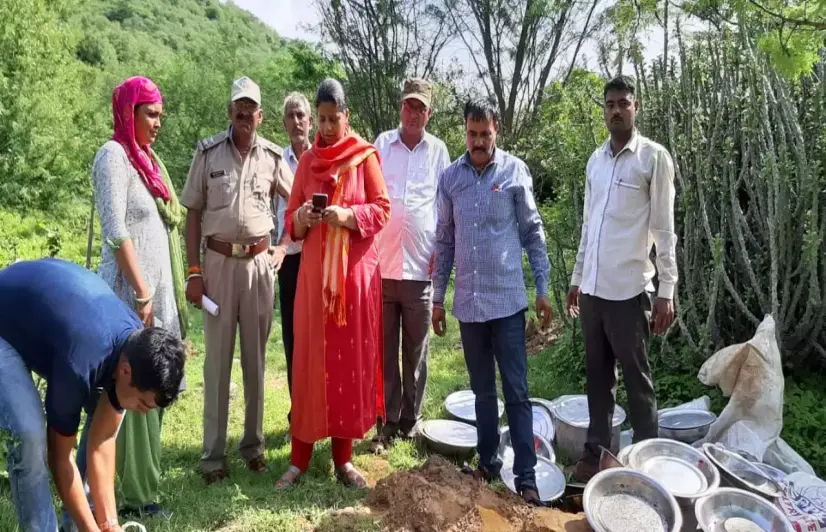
x: 209, y: 305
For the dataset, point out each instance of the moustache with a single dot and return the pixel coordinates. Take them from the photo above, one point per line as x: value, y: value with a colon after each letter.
x: 480, y: 150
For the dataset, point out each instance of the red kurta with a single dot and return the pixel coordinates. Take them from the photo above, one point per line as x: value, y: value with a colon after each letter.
x: 337, y: 388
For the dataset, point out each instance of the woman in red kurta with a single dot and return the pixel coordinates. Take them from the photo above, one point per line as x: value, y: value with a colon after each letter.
x: 337, y: 362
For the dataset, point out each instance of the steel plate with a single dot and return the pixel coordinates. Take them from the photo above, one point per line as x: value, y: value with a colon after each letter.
x: 541, y: 445
x: 462, y: 406
x: 543, y: 420
x: 736, y: 510
x: 550, y: 481
x: 455, y: 434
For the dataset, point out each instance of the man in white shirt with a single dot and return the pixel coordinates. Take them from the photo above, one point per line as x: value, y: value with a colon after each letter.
x: 412, y: 161
x: 298, y: 122
x: 629, y: 205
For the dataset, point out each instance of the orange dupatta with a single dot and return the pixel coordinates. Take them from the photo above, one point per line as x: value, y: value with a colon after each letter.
x: 339, y: 163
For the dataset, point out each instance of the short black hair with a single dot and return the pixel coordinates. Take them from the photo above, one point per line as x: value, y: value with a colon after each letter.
x: 620, y: 83
x: 331, y: 91
x: 157, y: 358
x: 479, y: 109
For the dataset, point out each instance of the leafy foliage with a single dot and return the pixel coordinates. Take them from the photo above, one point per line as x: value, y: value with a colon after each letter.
x: 61, y: 59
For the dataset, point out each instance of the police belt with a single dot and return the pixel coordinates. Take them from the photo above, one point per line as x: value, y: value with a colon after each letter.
x: 238, y: 251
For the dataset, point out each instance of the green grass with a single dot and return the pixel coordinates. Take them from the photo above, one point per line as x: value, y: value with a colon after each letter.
x: 248, y: 502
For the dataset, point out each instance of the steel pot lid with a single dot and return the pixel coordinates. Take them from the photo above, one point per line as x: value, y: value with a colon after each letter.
x: 550, y: 481
x: 686, y: 419
x: 456, y: 434
x: 573, y: 410
x: 462, y: 406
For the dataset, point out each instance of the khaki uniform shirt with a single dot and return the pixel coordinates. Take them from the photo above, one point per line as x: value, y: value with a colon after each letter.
x: 235, y: 196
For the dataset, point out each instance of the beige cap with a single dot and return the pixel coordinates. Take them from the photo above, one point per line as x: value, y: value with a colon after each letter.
x: 244, y: 87
x: 419, y: 89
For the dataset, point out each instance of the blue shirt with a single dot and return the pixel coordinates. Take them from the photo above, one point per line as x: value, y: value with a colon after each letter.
x: 69, y: 328
x: 485, y: 220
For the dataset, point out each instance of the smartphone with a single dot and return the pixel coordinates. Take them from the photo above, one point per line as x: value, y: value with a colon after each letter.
x: 319, y: 203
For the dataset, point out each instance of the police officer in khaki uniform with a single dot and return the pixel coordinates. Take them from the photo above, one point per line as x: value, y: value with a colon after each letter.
x: 229, y: 193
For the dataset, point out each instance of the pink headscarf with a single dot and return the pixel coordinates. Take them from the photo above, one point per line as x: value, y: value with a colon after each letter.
x: 126, y: 97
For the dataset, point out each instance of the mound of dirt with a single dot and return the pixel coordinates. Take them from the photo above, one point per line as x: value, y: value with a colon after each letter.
x: 438, y: 498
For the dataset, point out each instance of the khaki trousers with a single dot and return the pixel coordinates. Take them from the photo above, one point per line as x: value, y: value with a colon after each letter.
x: 243, y: 291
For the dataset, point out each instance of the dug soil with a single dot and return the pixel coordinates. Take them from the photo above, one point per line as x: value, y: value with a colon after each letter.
x: 438, y: 498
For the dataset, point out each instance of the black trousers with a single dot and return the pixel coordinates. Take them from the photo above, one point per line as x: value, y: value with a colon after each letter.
x: 287, y: 284
x: 617, y: 332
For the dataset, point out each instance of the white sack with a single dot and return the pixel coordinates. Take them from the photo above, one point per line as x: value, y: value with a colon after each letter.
x: 752, y: 376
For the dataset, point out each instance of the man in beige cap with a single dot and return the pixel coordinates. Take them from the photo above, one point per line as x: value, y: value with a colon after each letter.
x: 229, y: 191
x: 412, y: 161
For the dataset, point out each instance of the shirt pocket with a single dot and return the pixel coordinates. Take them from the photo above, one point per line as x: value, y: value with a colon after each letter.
x: 261, y: 200
x: 500, y: 202
x: 219, y: 190
x: 630, y: 194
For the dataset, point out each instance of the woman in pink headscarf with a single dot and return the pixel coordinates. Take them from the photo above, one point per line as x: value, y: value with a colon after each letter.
x: 142, y: 262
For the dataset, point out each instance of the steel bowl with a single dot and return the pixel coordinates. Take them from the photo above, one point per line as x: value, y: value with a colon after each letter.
x: 550, y: 481
x: 625, y: 500
x: 541, y: 445
x: 687, y: 425
x: 771, y: 472
x: 623, y: 455
x: 461, y: 406
x: 740, y: 473
x: 684, y: 471
x: 448, y: 437
x: 736, y: 510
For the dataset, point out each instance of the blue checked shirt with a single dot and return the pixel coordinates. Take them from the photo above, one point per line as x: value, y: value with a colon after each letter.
x: 484, y: 223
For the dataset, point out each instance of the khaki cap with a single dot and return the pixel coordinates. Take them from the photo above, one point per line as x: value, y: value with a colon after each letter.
x: 244, y: 87
x: 419, y: 89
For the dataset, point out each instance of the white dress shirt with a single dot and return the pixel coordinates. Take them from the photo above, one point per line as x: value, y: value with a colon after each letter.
x: 279, y: 207
x: 629, y: 205
x: 407, y: 242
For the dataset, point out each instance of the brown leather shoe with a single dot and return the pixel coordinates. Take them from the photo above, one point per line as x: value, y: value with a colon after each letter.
x: 211, y: 477
x: 585, y: 471
x: 257, y: 464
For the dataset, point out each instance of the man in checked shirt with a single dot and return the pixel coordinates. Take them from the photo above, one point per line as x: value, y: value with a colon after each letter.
x: 487, y: 215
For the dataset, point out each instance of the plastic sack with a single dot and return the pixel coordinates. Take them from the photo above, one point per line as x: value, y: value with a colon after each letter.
x: 804, y: 502
x: 752, y: 376
x: 783, y: 457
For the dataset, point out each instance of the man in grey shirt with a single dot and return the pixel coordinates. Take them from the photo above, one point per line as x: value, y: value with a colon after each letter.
x: 298, y: 122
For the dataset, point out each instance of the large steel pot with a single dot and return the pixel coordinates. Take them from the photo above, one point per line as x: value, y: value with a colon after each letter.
x: 571, y: 420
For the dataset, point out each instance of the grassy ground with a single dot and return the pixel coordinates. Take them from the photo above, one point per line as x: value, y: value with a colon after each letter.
x: 248, y: 502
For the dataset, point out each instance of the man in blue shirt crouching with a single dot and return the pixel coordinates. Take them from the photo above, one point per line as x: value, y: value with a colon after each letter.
x: 65, y: 324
